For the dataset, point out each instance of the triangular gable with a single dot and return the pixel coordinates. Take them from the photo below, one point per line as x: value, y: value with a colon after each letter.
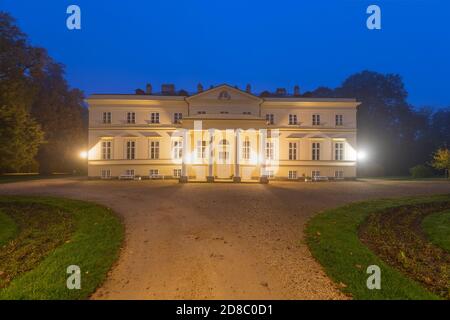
x: 224, y: 93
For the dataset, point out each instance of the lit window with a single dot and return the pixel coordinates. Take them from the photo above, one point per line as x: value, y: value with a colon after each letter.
x: 201, y: 149
x: 153, y: 173
x: 292, y: 150
x: 177, y: 173
x: 177, y: 148
x: 131, y: 149
x: 154, y: 149
x: 106, y: 173
x: 269, y: 150
x: 131, y: 117
x: 316, y: 151
x: 177, y: 116
x: 339, y: 174
x: 316, y: 119
x: 292, y: 119
x: 246, y: 149
x: 339, y: 151
x: 107, y: 117
x: 154, y: 117
x: 106, y: 150
x: 292, y: 175
x: 269, y: 174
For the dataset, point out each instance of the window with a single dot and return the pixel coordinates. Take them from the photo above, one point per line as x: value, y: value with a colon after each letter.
x: 131, y: 149
x: 106, y: 117
x: 269, y: 174
x: 339, y: 151
x: 316, y: 119
x: 131, y: 117
x: 339, y: 120
x: 292, y: 119
x: 177, y: 173
x: 129, y: 172
x: 224, y: 112
x: 154, y: 149
x: 153, y: 173
x: 269, y: 150
x: 106, y: 150
x: 177, y: 116
x: 224, y: 155
x: 339, y: 174
x: 315, y: 173
x: 246, y: 149
x: 246, y: 112
x: 292, y: 175
x: 154, y: 117
x: 292, y: 150
x: 177, y: 149
x: 106, y: 173
x: 316, y: 151
x: 201, y: 112
x: 270, y: 118
x: 201, y: 149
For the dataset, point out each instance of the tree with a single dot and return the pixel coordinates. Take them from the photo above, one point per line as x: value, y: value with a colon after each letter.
x: 441, y: 160
x: 32, y: 85
x: 20, y: 134
x: 387, y: 124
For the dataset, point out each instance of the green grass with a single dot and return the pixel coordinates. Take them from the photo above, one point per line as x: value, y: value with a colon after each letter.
x: 92, y: 244
x: 8, y: 229
x: 332, y: 237
x: 437, y: 229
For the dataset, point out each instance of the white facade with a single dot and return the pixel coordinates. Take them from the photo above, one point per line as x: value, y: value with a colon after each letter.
x: 221, y: 133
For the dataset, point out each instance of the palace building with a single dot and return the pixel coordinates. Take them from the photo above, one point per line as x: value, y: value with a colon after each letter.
x: 221, y: 133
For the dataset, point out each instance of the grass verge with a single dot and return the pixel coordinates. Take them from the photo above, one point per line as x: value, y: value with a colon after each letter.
x: 85, y: 234
x: 332, y: 237
x: 8, y: 229
x: 437, y: 228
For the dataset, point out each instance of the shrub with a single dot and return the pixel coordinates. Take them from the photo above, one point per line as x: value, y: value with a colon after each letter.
x: 421, y: 171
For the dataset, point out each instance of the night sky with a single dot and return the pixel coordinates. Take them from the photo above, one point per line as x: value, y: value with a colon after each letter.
x: 269, y: 44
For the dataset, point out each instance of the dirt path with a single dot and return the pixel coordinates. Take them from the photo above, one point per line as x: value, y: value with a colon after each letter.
x: 218, y: 241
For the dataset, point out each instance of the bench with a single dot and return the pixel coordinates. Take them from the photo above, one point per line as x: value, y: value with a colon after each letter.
x: 156, y: 176
x: 320, y: 178
x: 126, y: 177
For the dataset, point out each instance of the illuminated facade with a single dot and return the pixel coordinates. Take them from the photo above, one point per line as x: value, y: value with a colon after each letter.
x: 221, y: 133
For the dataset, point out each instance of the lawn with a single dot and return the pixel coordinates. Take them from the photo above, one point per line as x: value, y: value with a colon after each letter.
x: 333, y: 239
x: 43, y: 236
x: 437, y: 229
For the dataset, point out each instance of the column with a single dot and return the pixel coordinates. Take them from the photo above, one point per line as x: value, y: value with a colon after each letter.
x: 210, y: 177
x: 237, y: 156
x: 262, y: 156
x: 185, y: 157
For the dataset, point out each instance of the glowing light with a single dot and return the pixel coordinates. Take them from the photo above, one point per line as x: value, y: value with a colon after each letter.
x: 83, y: 154
x: 362, y: 155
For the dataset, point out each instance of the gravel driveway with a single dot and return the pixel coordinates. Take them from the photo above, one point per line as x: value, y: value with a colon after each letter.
x: 218, y: 241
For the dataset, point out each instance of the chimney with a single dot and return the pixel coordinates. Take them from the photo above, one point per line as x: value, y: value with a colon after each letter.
x: 168, y: 89
x: 148, y: 89
x: 248, y: 88
x: 139, y: 91
x: 297, y: 91
x: 199, y: 88
x: 280, y: 92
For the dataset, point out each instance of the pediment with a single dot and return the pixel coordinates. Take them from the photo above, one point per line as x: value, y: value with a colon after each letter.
x: 224, y: 94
